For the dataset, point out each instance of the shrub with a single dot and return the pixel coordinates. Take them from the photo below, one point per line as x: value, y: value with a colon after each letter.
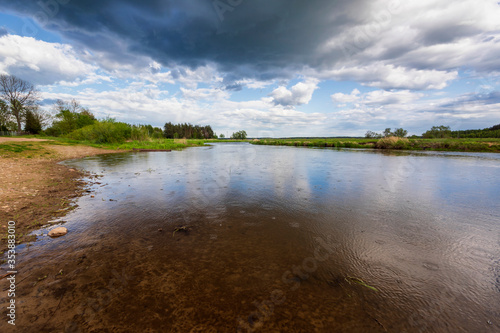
x: 392, y: 142
x: 105, y: 131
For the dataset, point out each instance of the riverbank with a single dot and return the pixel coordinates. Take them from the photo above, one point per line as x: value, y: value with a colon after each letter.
x: 490, y: 145
x: 34, y: 188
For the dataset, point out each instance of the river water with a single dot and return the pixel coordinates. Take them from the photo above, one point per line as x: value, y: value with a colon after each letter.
x: 277, y: 239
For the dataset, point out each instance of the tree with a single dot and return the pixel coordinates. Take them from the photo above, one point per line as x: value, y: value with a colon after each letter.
x: 387, y: 132
x: 240, y: 135
x: 19, y: 94
x: 370, y: 134
x: 43, y: 117
x: 399, y: 132
x: 222, y: 136
x: 187, y: 131
x: 437, y: 132
x: 33, y: 125
x: 70, y: 117
x: 4, y: 115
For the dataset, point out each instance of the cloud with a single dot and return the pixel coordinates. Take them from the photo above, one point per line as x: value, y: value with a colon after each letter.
x: 378, y: 109
x: 396, y: 44
x: 3, y: 31
x: 345, y: 98
x: 206, y: 94
x: 385, y: 76
x: 41, y: 62
x: 212, y: 106
x: 260, y: 39
x: 299, y: 94
x: 131, y: 52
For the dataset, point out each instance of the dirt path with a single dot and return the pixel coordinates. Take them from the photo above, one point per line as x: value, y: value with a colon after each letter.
x: 35, y: 189
x: 13, y: 139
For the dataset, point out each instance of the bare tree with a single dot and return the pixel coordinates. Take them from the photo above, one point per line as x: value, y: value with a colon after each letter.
x: 20, y: 94
x: 72, y: 106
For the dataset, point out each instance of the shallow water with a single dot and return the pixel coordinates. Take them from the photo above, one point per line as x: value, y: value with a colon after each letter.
x: 280, y: 239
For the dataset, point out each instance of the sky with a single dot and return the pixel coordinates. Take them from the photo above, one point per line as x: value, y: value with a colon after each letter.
x: 274, y: 68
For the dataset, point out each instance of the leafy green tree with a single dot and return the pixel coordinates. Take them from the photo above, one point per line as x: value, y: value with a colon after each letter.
x: 387, y: 132
x: 399, y: 132
x: 222, y: 136
x: 70, y: 117
x: 84, y: 118
x: 240, y: 135
x: 438, y: 132
x: 66, y: 122
x: 33, y: 125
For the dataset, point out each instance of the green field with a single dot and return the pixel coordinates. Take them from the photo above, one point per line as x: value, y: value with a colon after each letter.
x: 447, y: 144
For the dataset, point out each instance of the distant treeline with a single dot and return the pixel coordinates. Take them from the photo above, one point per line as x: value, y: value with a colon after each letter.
x: 446, y: 132
x: 188, y: 131
x: 492, y: 132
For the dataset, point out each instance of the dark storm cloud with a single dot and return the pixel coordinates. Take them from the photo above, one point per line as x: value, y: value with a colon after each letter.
x: 260, y: 38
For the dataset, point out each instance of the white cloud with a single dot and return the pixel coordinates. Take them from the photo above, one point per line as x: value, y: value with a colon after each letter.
x: 205, y: 94
x: 346, y: 98
x: 414, y: 44
x: 299, y: 94
x: 385, y: 76
x: 41, y: 62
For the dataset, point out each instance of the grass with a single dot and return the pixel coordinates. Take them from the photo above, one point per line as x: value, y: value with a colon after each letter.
x: 448, y: 144
x: 160, y: 144
x: 16, y: 147
x: 36, y: 149
x: 23, y: 149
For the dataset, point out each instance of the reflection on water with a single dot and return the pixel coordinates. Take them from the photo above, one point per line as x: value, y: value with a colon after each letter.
x: 283, y: 239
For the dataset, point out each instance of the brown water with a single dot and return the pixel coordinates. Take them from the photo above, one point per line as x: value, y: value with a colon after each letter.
x: 280, y: 239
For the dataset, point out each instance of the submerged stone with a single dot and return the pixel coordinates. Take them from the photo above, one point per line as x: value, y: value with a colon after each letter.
x: 57, y: 232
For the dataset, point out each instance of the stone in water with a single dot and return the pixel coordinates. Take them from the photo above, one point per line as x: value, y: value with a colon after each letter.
x: 57, y: 232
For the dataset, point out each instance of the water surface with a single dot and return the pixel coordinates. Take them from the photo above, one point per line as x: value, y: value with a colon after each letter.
x: 280, y: 239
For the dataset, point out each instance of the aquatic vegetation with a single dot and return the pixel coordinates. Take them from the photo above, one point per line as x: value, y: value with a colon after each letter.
x: 182, y: 229
x: 351, y: 279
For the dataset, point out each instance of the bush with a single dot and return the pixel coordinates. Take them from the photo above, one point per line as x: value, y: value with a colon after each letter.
x: 392, y: 142
x: 105, y: 131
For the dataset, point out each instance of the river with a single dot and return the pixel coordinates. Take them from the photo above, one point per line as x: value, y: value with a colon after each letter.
x: 235, y: 237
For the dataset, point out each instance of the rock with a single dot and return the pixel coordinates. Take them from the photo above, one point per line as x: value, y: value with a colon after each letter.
x: 57, y: 232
